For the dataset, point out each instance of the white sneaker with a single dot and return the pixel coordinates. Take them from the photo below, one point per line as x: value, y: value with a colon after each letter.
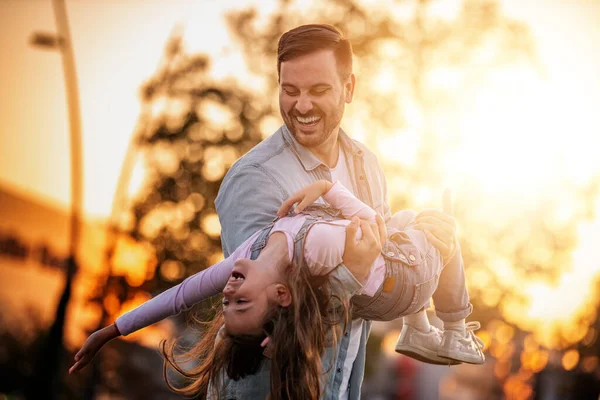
x: 422, y: 346
x: 467, y: 348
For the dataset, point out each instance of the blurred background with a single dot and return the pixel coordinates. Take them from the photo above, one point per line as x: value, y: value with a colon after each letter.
x: 118, y: 124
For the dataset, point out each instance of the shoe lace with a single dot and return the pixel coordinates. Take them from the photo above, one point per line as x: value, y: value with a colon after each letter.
x: 437, y: 331
x: 469, y: 328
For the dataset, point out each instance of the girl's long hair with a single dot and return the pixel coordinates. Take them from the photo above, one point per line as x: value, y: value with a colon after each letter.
x: 299, y: 335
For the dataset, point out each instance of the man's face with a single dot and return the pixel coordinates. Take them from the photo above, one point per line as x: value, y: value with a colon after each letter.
x: 312, y: 96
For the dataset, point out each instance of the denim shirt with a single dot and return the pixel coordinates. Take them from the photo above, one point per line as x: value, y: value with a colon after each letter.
x: 248, y: 200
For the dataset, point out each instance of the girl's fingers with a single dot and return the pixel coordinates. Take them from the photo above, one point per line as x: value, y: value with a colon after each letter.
x: 287, y: 205
x: 303, y: 204
x: 76, y: 367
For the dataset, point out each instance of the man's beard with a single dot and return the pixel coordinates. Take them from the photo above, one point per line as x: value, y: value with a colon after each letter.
x: 327, y: 124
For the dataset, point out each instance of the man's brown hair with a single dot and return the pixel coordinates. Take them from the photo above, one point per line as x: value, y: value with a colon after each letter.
x: 307, y: 39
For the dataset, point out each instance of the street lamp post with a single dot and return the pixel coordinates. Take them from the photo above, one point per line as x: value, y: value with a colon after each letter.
x: 48, y: 366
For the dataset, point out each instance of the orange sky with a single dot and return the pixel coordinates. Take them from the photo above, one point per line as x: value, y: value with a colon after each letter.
x: 118, y: 45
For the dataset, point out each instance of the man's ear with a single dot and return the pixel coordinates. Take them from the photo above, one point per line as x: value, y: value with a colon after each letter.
x: 284, y: 297
x: 349, y: 86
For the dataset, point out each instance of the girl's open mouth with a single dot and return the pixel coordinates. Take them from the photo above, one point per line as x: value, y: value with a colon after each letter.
x: 237, y: 276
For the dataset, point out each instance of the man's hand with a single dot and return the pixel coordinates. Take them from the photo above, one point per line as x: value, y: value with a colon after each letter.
x: 440, y: 229
x: 360, y: 254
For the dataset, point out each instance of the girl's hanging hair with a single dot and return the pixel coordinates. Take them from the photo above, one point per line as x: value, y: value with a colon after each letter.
x: 299, y: 335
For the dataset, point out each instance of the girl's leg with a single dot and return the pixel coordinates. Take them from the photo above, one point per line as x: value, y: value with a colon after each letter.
x: 418, y: 338
x: 418, y: 320
x: 452, y: 306
x: 451, y: 298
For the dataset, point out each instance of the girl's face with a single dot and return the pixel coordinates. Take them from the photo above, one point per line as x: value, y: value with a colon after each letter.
x: 256, y: 286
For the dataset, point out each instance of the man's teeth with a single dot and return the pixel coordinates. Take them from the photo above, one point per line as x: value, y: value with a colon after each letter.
x: 307, y: 120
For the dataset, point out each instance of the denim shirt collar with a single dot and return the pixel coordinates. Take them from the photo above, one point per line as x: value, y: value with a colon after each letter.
x: 307, y: 158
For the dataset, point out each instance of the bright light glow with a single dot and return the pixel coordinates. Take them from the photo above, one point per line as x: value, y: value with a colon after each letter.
x: 211, y: 225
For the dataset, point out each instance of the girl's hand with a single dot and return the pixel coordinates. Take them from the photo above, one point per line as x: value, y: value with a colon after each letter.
x: 92, y: 345
x: 305, y: 197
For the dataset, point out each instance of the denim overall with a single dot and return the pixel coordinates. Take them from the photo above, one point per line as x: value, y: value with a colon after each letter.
x: 414, y: 268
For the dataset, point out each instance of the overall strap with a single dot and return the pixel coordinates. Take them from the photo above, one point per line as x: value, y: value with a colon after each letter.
x: 315, y: 213
x: 261, y: 240
x: 299, y: 241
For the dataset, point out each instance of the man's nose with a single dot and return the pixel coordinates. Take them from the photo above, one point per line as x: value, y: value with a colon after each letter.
x: 304, y: 104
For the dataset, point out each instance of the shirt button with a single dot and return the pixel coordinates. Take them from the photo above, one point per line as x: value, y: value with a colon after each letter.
x: 339, y: 370
x: 390, y: 253
x: 412, y: 257
x: 402, y: 257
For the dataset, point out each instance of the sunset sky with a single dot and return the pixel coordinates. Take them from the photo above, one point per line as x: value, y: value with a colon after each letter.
x: 118, y: 45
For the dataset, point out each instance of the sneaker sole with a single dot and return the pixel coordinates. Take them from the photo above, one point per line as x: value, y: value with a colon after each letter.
x: 468, y: 360
x: 424, y: 355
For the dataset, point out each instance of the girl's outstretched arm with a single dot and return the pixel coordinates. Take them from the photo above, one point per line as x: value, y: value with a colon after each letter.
x: 194, y: 289
x: 92, y: 345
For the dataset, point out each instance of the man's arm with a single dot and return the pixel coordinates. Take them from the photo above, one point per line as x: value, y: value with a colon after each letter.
x: 247, y: 201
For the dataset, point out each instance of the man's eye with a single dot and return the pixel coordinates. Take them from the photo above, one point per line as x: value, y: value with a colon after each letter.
x: 240, y: 301
x: 320, y: 92
x: 290, y: 92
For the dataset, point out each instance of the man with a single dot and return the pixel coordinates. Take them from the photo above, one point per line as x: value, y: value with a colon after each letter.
x: 314, y: 66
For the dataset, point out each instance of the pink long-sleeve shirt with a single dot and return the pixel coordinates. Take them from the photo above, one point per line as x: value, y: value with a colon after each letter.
x: 324, y: 248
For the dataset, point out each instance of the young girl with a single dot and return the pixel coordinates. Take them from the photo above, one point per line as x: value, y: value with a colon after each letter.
x: 272, y: 292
